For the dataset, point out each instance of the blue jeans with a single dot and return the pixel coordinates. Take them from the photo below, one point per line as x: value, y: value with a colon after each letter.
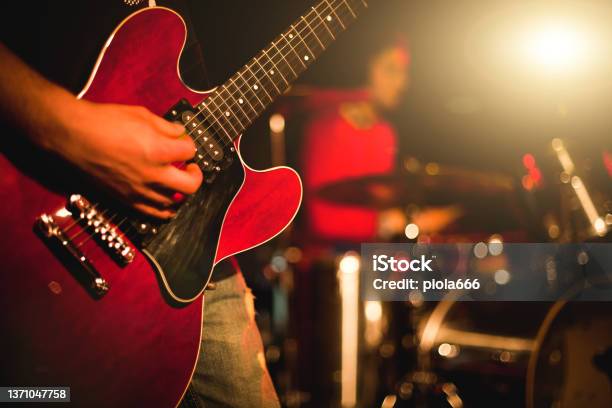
x: 231, y: 369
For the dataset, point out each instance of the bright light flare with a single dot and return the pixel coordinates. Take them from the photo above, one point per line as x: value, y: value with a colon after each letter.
x: 373, y: 310
x: 350, y: 263
x: 558, y: 47
x: 277, y: 123
x: 411, y: 231
x: 349, y: 293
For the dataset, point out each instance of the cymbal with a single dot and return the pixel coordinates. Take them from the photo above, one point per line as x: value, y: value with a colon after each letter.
x: 441, y: 185
x: 380, y: 191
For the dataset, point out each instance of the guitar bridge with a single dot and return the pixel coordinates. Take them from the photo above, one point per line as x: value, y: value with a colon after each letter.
x: 56, y: 235
x: 101, y: 228
x: 54, y: 229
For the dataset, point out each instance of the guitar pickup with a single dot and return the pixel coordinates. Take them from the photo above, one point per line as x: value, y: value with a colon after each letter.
x: 213, y: 155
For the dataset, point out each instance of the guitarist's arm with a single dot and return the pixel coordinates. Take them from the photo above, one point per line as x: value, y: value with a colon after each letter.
x: 126, y: 148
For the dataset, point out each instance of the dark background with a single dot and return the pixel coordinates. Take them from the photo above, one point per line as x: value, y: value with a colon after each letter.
x: 472, y: 100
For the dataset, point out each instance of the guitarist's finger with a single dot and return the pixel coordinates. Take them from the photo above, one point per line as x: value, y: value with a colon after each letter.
x: 176, y: 150
x: 186, y: 181
x: 154, y: 212
x: 156, y: 198
x: 167, y: 128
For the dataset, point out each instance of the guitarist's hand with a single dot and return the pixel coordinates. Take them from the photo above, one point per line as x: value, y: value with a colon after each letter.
x: 127, y: 149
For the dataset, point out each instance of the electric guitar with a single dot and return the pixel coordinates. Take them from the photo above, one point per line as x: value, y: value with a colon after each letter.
x: 106, y: 301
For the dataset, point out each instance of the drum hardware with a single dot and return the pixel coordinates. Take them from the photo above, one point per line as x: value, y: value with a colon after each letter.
x: 447, y: 185
x: 494, y: 356
x: 435, y: 199
x: 425, y: 389
x: 576, y: 197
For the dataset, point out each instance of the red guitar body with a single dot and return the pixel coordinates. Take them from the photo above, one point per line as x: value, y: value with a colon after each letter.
x: 131, y: 347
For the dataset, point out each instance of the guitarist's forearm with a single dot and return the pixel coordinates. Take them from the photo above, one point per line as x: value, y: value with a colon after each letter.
x: 29, y: 101
x: 127, y: 149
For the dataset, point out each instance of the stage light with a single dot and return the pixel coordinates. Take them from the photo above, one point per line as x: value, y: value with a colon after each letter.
x: 349, y: 293
x: 349, y: 263
x: 529, y: 161
x: 373, y: 310
x: 501, y: 277
x: 448, y: 350
x: 293, y: 254
x: 277, y: 139
x: 389, y: 401
x: 557, y: 145
x: 416, y: 298
x: 412, y: 231
x: 432, y: 169
x: 505, y: 356
x: 557, y: 46
x: 496, y: 246
x: 554, y: 231
x: 373, y: 323
x: 527, y: 183
x: 277, y: 123
x: 444, y: 349
x: 481, y: 250
x: 278, y: 263
x: 600, y: 226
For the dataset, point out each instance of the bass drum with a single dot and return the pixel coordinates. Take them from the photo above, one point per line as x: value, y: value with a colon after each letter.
x: 513, y: 354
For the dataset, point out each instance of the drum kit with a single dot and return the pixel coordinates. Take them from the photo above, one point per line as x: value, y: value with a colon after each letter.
x: 502, y: 354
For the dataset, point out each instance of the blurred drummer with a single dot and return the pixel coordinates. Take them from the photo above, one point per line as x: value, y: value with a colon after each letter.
x: 349, y: 137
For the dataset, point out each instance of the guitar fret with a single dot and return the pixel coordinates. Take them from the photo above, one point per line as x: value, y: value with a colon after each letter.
x: 332, y: 19
x: 285, y: 59
x: 246, y: 120
x: 324, y: 23
x: 252, y: 90
x: 256, y: 84
x: 275, y: 67
x: 313, y: 33
x: 309, y: 55
x: 242, y: 98
x: 350, y: 9
x: 220, y: 129
x: 294, y: 51
x: 267, y: 75
x: 226, y: 114
x: 333, y: 10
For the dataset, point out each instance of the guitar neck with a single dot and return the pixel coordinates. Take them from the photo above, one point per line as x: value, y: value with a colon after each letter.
x: 237, y: 103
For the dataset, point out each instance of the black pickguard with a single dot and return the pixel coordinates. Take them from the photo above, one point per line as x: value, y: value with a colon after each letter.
x: 184, y: 248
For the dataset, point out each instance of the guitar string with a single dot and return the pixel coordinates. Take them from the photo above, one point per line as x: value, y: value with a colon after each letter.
x: 308, y: 30
x: 288, y: 46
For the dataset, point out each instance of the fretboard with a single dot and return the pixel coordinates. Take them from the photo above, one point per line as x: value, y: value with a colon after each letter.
x: 232, y: 107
